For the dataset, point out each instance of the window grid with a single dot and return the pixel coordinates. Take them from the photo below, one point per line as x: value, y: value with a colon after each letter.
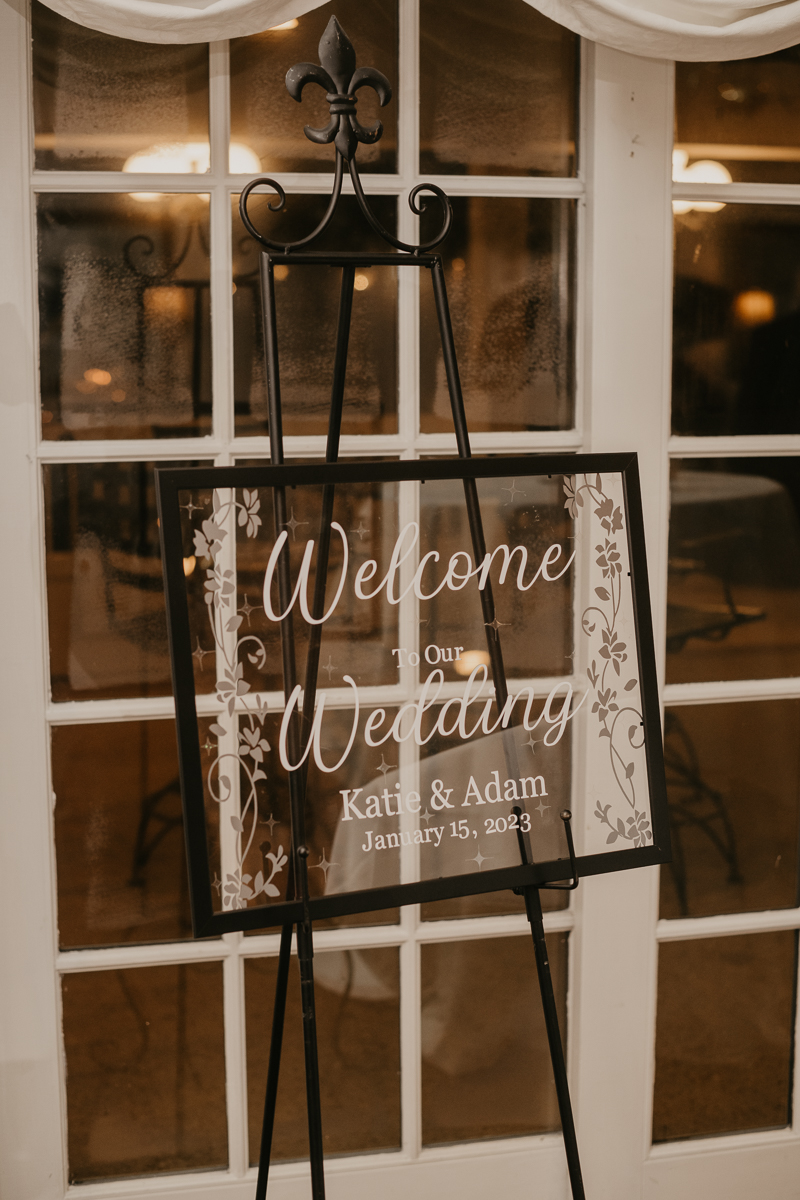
x: 224, y: 448
x: 733, y: 691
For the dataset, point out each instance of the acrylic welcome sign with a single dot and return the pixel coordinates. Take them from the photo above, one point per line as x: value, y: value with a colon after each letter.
x: 437, y: 658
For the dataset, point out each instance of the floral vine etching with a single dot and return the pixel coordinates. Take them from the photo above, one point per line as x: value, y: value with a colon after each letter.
x: 224, y: 618
x: 609, y: 704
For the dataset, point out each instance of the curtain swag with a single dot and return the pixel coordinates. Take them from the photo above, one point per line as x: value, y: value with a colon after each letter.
x: 687, y: 30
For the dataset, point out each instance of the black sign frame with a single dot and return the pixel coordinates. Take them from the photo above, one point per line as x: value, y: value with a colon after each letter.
x: 210, y: 923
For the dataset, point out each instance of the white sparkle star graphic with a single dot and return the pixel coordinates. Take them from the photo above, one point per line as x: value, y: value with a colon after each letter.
x: 532, y: 742
x: 542, y: 808
x: 362, y: 531
x: 208, y: 746
x: 247, y: 608
x: 426, y: 816
x: 496, y: 625
x: 324, y: 866
x: 385, y: 767
x: 329, y: 667
x: 294, y: 524
x: 271, y: 822
x: 217, y: 883
x: 191, y: 508
x: 479, y: 859
x: 513, y: 491
x: 200, y: 653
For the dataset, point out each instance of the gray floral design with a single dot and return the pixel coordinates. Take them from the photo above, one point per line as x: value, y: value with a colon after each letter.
x: 619, y: 721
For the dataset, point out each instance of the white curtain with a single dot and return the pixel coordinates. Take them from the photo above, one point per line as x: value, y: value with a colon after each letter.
x: 688, y: 30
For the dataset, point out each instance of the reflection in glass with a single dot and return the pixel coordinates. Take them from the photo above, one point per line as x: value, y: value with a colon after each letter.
x: 743, y: 114
x: 724, y: 1035
x: 733, y: 592
x: 307, y: 302
x: 145, y: 1071
x: 379, y: 812
x: 124, y: 318
x: 266, y: 119
x: 357, y: 997
x: 734, y: 784
x: 508, y: 267
x: 736, y: 321
x: 105, y: 598
x: 120, y: 858
x: 485, y: 1062
x: 498, y: 90
x: 98, y: 100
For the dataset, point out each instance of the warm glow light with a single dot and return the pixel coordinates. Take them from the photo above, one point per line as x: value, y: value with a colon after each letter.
x: 281, y: 272
x: 469, y: 660
x: 186, y: 158
x: 189, y: 565
x: 118, y: 395
x: 360, y: 283
x: 242, y: 160
x: 285, y: 25
x: 703, y: 171
x: 95, y: 375
x: 459, y: 265
x: 754, y: 307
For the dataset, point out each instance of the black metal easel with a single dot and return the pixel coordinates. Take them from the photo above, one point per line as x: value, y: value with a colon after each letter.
x: 337, y: 73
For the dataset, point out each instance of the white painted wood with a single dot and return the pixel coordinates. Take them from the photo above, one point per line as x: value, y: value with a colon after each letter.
x: 628, y: 378
x: 730, y: 690
x: 31, y: 1154
x: 747, y: 1167
x: 685, y: 929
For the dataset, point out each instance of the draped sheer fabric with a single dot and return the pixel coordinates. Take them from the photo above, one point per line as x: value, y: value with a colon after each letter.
x: 687, y: 30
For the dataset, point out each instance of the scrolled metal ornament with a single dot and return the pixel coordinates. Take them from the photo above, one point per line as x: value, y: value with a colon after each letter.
x: 338, y: 74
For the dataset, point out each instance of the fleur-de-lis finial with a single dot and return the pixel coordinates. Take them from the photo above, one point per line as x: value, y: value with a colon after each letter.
x: 337, y: 73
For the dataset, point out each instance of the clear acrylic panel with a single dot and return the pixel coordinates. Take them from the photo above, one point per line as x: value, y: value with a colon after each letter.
x: 124, y: 315
x: 105, y: 103
x: 145, y: 1069
x: 408, y: 751
x: 357, y: 995
x: 498, y: 90
x: 267, y: 124
x: 307, y: 304
x: 741, y: 114
x: 486, y: 1069
x: 736, y: 320
x: 105, y: 596
x: 733, y: 585
x: 733, y: 775
x: 120, y: 857
x: 724, y: 1035
x: 509, y: 268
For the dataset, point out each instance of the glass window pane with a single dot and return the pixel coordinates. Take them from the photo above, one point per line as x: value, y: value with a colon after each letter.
x: 267, y: 125
x: 145, y: 1071
x: 105, y: 597
x: 498, y: 90
x: 733, y: 588
x: 743, y: 114
x: 733, y: 775
x: 105, y: 103
x: 124, y: 318
x: 120, y: 858
x: 307, y: 303
x: 724, y: 1035
x: 358, y: 1027
x: 736, y: 320
x: 485, y: 1062
x: 508, y: 266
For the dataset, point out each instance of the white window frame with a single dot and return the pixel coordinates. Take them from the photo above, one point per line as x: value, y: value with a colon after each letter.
x: 623, y: 380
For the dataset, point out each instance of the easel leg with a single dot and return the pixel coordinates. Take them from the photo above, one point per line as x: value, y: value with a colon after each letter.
x: 533, y: 907
x: 305, y: 956
x: 276, y: 1044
